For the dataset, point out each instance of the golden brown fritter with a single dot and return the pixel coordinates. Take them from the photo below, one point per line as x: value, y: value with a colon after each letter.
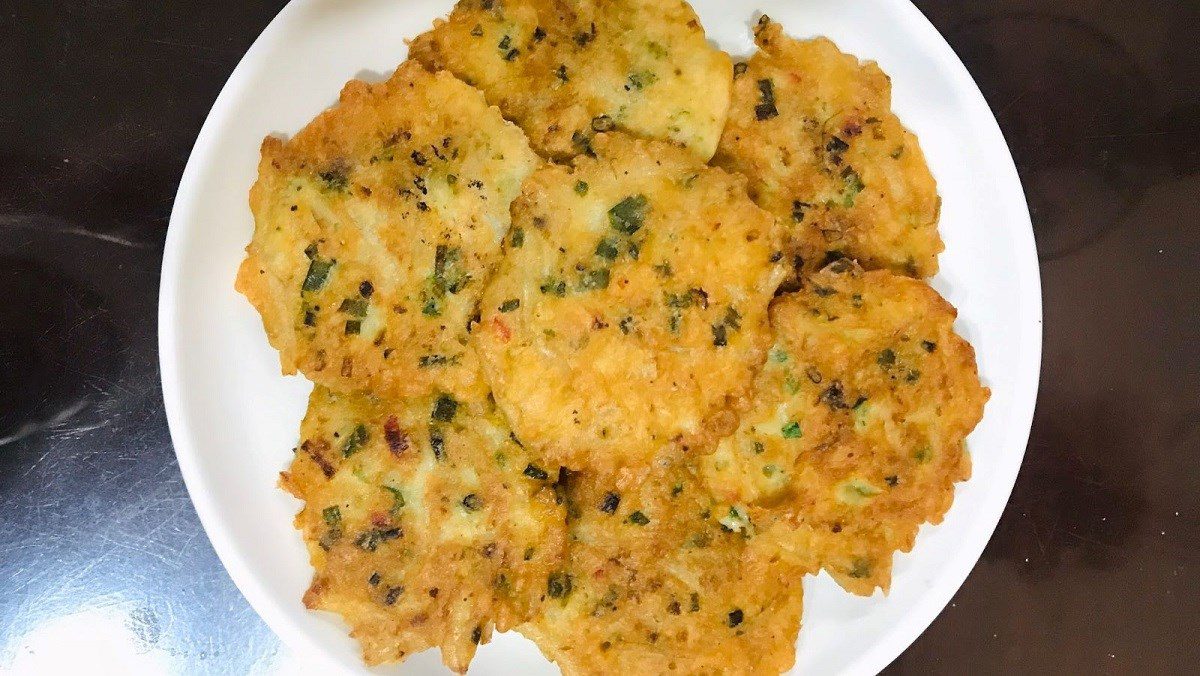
x: 566, y: 69
x: 628, y: 316
x: 653, y: 584
x: 426, y: 524
x: 375, y: 228
x: 813, y: 129
x: 856, y: 435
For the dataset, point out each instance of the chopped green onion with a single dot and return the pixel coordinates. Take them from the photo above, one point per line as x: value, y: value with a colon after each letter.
x: 628, y: 215
x: 355, y: 441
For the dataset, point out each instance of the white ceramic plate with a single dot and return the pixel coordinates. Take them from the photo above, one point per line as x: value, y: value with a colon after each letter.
x: 234, y: 419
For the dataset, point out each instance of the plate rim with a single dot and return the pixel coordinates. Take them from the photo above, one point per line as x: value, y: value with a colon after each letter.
x: 872, y: 660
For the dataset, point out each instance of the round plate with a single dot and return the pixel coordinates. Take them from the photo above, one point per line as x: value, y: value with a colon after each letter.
x: 234, y: 419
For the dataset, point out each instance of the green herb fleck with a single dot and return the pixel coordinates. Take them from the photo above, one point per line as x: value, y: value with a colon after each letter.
x: 735, y: 617
x: 733, y: 318
x: 510, y: 305
x: 639, y: 518
x: 472, y: 502
x: 581, y: 188
x: 332, y: 516
x: 554, y: 287
x: 791, y: 430
x: 798, y: 210
x: 355, y: 307
x: 591, y: 280
x: 334, y: 179
x: 437, y: 442
x: 607, y: 249
x: 428, y: 360
x: 628, y: 215
x: 640, y: 80
x: 860, y: 568
x: 853, y: 186
x: 397, y: 498
x: 856, y: 492
x: 355, y: 441
x: 766, y: 109
x: 516, y: 239
x: 534, y: 472
x: 834, y: 148
x: 610, y: 503
x: 558, y: 585
x: 318, y: 274
x: 444, y: 408
x: 449, y: 273
x: 720, y: 339
x: 602, y: 123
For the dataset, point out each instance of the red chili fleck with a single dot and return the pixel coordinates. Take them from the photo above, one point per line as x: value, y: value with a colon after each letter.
x: 502, y: 329
x: 380, y: 519
x: 397, y: 440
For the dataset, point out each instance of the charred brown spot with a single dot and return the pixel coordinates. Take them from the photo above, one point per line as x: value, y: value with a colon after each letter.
x: 315, y: 450
x: 397, y: 440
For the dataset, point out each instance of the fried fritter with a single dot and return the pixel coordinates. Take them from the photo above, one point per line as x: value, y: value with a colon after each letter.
x: 426, y: 524
x: 629, y: 314
x: 375, y: 228
x: 856, y: 435
x: 813, y: 129
x: 653, y: 584
x: 566, y: 69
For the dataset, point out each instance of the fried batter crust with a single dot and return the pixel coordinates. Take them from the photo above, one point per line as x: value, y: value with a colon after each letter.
x: 376, y: 227
x: 653, y: 584
x: 812, y: 127
x: 564, y: 70
x: 628, y: 317
x: 426, y: 524
x: 857, y: 433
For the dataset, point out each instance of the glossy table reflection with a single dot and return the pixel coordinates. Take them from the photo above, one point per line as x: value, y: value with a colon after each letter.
x: 1095, y: 566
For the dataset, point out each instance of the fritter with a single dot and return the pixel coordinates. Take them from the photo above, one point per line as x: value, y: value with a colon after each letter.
x: 426, y: 523
x: 628, y: 316
x: 813, y: 129
x: 653, y: 584
x: 566, y: 69
x: 856, y: 435
x: 375, y: 229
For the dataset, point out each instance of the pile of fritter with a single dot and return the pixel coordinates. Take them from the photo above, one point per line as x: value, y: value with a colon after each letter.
x: 613, y: 340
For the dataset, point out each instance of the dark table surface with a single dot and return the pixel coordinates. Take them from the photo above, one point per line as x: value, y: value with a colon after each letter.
x: 1095, y: 566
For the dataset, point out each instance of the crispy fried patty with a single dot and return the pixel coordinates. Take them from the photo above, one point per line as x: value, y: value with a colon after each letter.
x: 654, y: 584
x: 856, y: 434
x: 426, y: 524
x: 813, y: 129
x: 375, y: 229
x: 566, y: 70
x: 628, y: 316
